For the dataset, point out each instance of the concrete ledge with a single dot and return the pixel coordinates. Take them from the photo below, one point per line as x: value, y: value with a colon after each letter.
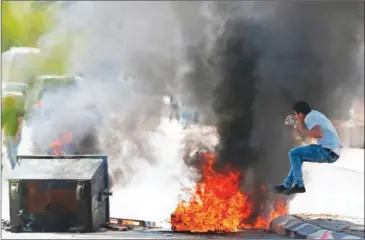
x: 295, y: 228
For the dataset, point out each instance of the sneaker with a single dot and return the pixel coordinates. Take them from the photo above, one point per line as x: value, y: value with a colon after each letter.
x: 294, y: 190
x: 279, y: 189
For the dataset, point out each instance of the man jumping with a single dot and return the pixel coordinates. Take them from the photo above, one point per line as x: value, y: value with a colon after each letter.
x: 327, y: 150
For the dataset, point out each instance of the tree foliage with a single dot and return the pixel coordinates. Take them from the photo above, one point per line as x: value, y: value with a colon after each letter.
x: 23, y: 22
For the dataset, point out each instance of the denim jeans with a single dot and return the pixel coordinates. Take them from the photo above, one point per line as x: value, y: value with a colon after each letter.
x: 310, y: 153
x: 12, y: 150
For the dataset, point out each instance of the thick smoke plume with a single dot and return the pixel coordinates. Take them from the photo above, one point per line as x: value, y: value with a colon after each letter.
x: 311, y: 54
x: 241, y: 64
x: 127, y: 54
x: 262, y: 61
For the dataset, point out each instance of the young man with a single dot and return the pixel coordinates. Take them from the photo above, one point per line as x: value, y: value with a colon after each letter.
x: 327, y: 150
x: 11, y: 123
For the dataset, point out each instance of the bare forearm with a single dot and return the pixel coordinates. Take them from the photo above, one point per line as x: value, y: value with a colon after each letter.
x: 310, y: 133
x: 20, y: 126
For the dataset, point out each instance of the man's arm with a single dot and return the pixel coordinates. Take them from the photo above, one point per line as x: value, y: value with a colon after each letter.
x: 310, y: 127
x: 315, y: 132
x: 20, y: 119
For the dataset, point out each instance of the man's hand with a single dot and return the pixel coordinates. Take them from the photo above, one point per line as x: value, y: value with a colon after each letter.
x: 300, y: 126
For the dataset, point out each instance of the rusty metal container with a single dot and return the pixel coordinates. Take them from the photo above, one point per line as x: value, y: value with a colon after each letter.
x: 59, y: 193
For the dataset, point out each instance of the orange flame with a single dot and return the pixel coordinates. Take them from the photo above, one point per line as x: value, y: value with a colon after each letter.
x: 57, y: 144
x: 218, y: 204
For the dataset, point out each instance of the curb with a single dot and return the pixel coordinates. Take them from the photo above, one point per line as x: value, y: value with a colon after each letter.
x: 294, y: 228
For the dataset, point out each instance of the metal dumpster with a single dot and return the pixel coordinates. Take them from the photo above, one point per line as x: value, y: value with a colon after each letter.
x: 59, y: 193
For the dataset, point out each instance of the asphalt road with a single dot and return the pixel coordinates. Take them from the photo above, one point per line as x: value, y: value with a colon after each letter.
x: 144, y: 234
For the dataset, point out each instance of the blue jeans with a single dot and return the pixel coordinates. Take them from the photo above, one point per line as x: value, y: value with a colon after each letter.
x: 12, y: 150
x: 310, y: 153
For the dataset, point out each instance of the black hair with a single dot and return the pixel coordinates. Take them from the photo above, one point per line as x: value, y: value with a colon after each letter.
x: 302, y: 107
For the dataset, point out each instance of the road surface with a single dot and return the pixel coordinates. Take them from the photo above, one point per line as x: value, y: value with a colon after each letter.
x: 144, y: 234
x: 336, y: 189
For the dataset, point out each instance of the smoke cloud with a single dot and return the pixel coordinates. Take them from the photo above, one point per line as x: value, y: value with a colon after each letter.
x: 127, y: 54
x: 265, y: 57
x: 241, y: 64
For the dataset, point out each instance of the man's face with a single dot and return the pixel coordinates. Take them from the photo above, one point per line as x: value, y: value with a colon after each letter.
x: 298, y: 116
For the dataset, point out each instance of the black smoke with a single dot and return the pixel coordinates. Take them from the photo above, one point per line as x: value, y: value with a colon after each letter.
x: 310, y: 53
x: 259, y: 66
x: 247, y: 63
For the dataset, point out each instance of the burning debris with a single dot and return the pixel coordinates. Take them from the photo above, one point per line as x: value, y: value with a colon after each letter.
x: 218, y: 205
x: 58, y: 145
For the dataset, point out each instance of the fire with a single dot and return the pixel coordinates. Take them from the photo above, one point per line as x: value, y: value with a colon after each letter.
x: 280, y: 208
x: 218, y: 204
x: 58, y: 144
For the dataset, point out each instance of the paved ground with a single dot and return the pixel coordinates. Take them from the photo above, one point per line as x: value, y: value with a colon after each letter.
x: 335, y: 194
x: 152, y: 234
x: 336, y: 189
x: 336, y: 223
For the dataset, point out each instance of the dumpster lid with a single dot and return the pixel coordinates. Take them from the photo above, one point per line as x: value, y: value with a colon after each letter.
x: 55, y: 168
